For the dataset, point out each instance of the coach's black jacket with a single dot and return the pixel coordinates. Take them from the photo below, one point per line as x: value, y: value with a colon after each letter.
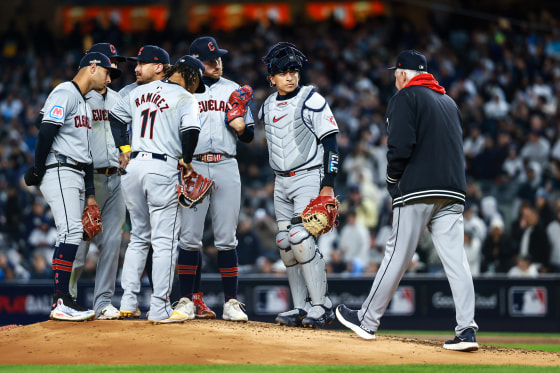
x: 425, y: 155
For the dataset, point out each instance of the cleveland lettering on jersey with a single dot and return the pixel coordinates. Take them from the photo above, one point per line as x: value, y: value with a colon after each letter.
x: 153, y: 98
x: 82, y: 121
x: 100, y: 114
x: 212, y: 105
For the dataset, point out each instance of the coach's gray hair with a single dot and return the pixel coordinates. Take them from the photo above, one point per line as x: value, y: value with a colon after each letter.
x: 410, y: 73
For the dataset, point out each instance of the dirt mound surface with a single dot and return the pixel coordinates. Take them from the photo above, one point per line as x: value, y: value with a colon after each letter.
x: 222, y: 342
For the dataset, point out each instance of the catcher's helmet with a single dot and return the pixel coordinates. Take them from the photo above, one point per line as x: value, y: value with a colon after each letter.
x: 283, y: 57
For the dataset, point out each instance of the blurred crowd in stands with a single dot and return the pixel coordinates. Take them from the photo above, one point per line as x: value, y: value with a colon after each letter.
x: 505, y: 77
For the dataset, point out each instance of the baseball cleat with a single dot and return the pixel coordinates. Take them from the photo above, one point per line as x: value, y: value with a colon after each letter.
x: 349, y: 318
x: 465, y: 342
x: 291, y: 317
x: 66, y: 309
x: 202, y: 310
x: 134, y: 314
x: 184, y: 310
x: 233, y: 311
x: 318, y: 316
x: 109, y: 313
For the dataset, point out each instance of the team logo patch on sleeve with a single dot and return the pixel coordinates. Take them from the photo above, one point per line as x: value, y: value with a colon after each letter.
x: 57, y: 112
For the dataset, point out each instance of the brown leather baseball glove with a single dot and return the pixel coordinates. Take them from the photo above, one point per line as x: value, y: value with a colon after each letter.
x: 319, y: 216
x: 91, y: 221
x: 239, y: 100
x: 194, y: 189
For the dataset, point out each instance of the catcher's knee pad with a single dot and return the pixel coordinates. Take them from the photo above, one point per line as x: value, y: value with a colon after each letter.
x: 286, y: 253
x: 302, y: 243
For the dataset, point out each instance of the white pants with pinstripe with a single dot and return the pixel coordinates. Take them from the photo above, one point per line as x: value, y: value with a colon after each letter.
x: 444, y: 219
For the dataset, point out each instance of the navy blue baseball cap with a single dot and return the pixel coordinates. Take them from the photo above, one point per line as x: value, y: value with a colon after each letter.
x: 197, y: 66
x: 153, y: 54
x: 100, y: 60
x: 107, y: 49
x: 411, y: 60
x: 205, y: 48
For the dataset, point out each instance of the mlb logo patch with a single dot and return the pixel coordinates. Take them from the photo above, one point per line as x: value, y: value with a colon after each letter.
x: 402, y: 303
x: 528, y: 301
x: 57, y: 112
x: 271, y: 300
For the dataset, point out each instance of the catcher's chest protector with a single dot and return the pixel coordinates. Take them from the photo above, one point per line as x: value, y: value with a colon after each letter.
x: 291, y: 143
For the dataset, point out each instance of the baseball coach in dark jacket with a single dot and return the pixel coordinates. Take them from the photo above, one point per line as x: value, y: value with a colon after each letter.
x: 426, y: 178
x: 425, y: 156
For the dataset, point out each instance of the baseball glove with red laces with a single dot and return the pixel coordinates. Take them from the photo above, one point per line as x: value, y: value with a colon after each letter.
x: 91, y: 221
x: 239, y: 99
x: 319, y: 216
x: 195, y: 188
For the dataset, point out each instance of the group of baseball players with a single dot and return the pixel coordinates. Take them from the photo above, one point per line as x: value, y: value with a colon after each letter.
x: 128, y: 151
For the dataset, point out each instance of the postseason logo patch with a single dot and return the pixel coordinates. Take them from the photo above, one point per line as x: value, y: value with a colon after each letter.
x: 57, y: 112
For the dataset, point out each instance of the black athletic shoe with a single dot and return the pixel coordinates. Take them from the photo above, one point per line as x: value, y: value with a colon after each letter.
x: 318, y: 316
x: 291, y: 318
x: 465, y: 342
x: 349, y: 318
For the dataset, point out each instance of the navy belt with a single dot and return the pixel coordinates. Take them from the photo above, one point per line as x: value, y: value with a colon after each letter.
x: 294, y: 173
x: 162, y: 157
x: 64, y: 161
x: 79, y: 166
x: 107, y: 171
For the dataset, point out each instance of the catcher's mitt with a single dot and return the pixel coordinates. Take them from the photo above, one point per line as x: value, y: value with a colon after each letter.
x: 239, y: 99
x: 316, y: 217
x: 91, y: 220
x: 194, y: 189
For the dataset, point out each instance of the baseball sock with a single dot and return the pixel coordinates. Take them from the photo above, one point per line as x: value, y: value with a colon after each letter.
x: 63, y: 260
x: 196, y: 288
x: 227, y: 262
x: 187, y: 264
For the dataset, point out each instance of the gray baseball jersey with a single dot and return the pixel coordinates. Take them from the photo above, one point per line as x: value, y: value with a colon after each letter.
x: 66, y: 107
x: 216, y: 138
x: 126, y: 89
x: 109, y: 197
x: 159, y: 111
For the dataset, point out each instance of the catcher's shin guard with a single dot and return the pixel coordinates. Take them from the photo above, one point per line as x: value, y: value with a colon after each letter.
x: 293, y: 270
x: 311, y: 262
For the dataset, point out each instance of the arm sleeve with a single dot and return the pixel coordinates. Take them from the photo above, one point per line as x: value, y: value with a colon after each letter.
x: 38, y: 120
x: 88, y: 180
x: 45, y: 139
x: 247, y: 135
x: 119, y: 130
x: 189, y: 140
x: 402, y: 136
x: 119, y: 118
x: 330, y: 146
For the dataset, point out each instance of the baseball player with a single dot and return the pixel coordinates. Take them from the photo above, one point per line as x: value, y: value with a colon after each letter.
x: 426, y: 179
x: 63, y: 170
x: 214, y: 156
x: 165, y: 126
x: 106, y: 162
x: 151, y: 64
x: 301, y: 137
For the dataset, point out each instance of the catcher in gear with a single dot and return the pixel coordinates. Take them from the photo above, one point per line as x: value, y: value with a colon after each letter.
x: 214, y: 157
x: 301, y: 137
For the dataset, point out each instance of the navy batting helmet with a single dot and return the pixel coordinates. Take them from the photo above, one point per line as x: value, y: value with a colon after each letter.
x: 283, y: 57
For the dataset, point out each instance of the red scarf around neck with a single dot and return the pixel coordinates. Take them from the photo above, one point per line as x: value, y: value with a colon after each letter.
x: 426, y: 80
